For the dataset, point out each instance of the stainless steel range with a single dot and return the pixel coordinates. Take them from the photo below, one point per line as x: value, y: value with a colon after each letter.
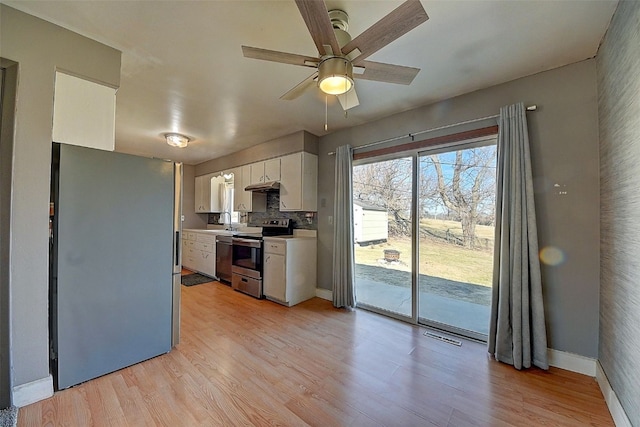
x: 247, y: 252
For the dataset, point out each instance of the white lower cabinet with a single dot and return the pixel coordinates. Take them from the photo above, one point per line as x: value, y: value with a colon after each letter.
x: 289, y: 269
x: 199, y: 252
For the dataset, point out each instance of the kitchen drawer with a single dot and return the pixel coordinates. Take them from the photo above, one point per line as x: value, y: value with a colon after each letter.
x: 187, y: 243
x: 189, y: 262
x: 272, y: 247
x: 190, y: 235
x: 189, y: 252
x: 201, y: 246
x: 206, y: 238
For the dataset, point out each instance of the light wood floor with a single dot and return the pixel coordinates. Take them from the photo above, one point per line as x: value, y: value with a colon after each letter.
x: 244, y: 361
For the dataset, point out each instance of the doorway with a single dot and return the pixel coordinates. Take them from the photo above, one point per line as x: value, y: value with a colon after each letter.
x: 456, y: 217
x: 383, y: 211
x: 424, y: 230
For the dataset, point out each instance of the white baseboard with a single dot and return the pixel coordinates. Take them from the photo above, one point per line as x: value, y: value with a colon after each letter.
x: 324, y: 294
x: 572, y: 362
x: 26, y: 394
x: 617, y: 412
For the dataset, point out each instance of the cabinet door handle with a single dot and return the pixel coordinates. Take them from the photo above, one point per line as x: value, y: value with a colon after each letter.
x: 267, y: 258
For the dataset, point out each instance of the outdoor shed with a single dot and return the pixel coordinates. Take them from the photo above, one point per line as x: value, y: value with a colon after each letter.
x: 370, y: 223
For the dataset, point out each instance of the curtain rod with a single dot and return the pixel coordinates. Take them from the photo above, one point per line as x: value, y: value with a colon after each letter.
x: 412, y: 135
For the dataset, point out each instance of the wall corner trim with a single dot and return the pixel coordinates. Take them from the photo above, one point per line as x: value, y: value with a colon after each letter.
x: 572, y: 362
x: 34, y: 391
x: 324, y: 294
x: 618, y: 414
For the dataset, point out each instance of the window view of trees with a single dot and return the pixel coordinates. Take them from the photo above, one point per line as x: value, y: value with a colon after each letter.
x: 461, y: 185
x: 455, y: 207
x: 387, y: 185
x: 456, y: 186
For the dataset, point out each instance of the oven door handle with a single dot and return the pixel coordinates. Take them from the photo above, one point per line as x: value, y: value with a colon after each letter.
x: 247, y: 242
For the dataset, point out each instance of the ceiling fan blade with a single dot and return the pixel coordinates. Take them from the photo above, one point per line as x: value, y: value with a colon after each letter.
x: 277, y: 56
x: 388, y: 73
x: 300, y: 88
x: 348, y: 100
x: 403, y: 19
x: 315, y: 15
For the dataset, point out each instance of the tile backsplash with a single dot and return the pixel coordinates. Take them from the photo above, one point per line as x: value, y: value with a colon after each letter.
x: 273, y: 204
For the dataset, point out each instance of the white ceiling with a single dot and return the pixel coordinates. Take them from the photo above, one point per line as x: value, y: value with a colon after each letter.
x: 183, y: 69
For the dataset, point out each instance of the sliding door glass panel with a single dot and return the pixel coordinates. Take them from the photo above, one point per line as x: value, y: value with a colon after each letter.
x: 456, y: 221
x: 382, y: 207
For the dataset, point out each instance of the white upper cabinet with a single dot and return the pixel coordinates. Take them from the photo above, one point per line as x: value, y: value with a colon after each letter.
x: 272, y: 170
x: 242, y: 199
x: 257, y: 173
x: 246, y: 201
x: 208, y: 197
x: 201, y: 196
x: 299, y: 182
x: 84, y: 113
x: 266, y: 171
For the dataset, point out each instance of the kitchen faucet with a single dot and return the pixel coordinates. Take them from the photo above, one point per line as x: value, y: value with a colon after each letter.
x: 228, y: 213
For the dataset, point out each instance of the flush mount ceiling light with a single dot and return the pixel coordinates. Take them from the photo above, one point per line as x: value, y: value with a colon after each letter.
x: 177, y: 140
x: 335, y: 76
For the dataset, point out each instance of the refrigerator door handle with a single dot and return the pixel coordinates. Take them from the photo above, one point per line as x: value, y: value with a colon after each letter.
x: 177, y: 251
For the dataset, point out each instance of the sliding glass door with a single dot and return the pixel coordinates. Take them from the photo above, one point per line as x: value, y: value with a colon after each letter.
x: 457, y: 199
x: 383, y: 211
x: 436, y: 269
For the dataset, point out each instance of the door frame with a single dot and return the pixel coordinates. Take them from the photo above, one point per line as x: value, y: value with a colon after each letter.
x: 445, y: 143
x: 8, y: 89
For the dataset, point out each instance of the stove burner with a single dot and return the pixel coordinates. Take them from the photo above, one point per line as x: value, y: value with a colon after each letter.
x: 276, y: 227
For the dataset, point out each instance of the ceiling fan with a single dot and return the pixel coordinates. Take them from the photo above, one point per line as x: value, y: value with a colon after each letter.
x: 341, y: 58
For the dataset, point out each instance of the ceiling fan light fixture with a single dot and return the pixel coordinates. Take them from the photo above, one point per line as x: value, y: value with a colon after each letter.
x: 177, y: 140
x: 335, y: 76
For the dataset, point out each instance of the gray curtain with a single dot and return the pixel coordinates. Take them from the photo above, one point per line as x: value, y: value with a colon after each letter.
x: 517, y: 334
x: 344, y: 294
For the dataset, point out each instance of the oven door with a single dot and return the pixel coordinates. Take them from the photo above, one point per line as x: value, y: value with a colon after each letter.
x: 247, y: 257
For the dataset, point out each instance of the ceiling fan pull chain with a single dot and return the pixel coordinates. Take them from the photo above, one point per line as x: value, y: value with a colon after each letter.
x: 326, y: 112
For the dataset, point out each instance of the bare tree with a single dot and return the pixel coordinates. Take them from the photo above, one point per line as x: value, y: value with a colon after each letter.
x: 387, y: 184
x: 467, y: 190
x: 460, y: 184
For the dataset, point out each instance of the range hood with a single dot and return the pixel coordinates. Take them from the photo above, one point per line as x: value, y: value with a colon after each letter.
x: 263, y: 186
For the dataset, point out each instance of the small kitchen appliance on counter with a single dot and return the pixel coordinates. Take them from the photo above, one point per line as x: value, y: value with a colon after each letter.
x: 247, y: 251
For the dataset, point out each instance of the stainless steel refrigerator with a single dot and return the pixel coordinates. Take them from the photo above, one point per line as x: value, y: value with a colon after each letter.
x: 115, y: 261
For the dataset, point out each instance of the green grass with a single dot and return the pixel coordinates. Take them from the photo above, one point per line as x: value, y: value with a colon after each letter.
x: 437, y: 259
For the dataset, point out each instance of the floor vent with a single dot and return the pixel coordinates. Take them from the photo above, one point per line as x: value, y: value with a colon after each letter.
x: 442, y: 338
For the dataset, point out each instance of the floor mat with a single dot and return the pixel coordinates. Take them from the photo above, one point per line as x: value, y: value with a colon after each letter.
x: 195, y: 279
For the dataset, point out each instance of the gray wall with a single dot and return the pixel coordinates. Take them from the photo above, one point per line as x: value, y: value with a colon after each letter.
x: 619, y: 113
x: 39, y: 48
x: 9, y: 76
x: 191, y: 218
x: 564, y: 147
